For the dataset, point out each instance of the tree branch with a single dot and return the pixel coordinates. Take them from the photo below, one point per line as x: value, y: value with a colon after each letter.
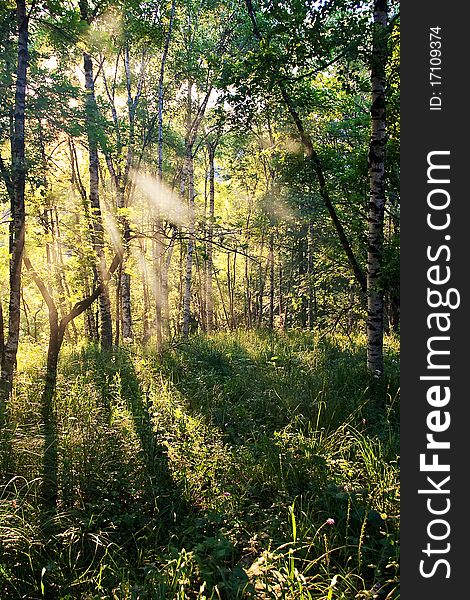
x: 41, y: 286
x: 80, y: 306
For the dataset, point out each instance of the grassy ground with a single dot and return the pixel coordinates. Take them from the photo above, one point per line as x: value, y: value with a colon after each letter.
x: 241, y: 465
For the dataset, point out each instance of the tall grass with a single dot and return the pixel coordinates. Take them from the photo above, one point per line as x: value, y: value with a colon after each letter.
x: 241, y: 465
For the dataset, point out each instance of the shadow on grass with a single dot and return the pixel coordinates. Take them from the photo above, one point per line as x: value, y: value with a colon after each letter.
x: 182, y: 521
x: 114, y: 501
x: 185, y: 467
x: 287, y: 419
x: 127, y: 407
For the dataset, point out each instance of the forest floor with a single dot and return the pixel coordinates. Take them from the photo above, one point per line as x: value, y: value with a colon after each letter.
x: 237, y: 465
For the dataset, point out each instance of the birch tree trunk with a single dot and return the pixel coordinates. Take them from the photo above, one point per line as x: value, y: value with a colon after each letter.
x: 161, y: 286
x: 210, y: 236
x: 122, y: 189
x: 125, y: 278
x: 311, y: 282
x: 158, y: 226
x: 161, y: 90
x: 375, y: 323
x: 248, y: 291
x: 16, y: 188
x: 106, y: 332
x: 145, y: 315
x: 234, y: 283
x: 190, y: 250
x: 165, y: 266
x: 261, y: 281
x: 271, y: 281
x: 188, y: 176
x: 157, y: 250
x: 185, y: 182
x: 90, y: 322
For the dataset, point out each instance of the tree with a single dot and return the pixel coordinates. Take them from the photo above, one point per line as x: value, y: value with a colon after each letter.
x: 106, y: 333
x: 15, y: 183
x: 162, y: 312
x: 315, y: 161
x: 202, y: 46
x: 187, y: 181
x: 57, y: 330
x: 375, y: 309
x: 211, y: 150
x: 264, y: 156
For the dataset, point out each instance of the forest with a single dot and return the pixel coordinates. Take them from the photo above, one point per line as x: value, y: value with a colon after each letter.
x: 200, y: 308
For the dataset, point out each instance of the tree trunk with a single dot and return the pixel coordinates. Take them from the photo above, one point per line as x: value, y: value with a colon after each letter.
x: 375, y: 323
x: 121, y: 179
x: 324, y: 193
x: 49, y: 490
x: 281, y: 298
x: 261, y: 280
x: 123, y: 192
x: 190, y: 250
x: 210, y: 237
x: 145, y: 316
x: 17, y: 223
x: 248, y: 300
x: 248, y: 291
x: 125, y: 278
x: 303, y: 275
x: 192, y: 127
x: 160, y: 92
x: 394, y: 310
x: 57, y: 330
x: 234, y: 287
x: 311, y: 281
x: 117, y: 322
x: 161, y: 327
x: 289, y: 285
x: 200, y: 293
x: 26, y: 311
x: 90, y: 323
x: 126, y: 314
x: 157, y: 248
x: 227, y: 320
x: 180, y: 284
x: 165, y: 288
x: 61, y: 280
x: 230, y: 284
x: 106, y: 332
x: 271, y: 281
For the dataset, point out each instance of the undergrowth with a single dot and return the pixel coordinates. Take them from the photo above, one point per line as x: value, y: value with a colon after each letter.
x: 241, y: 465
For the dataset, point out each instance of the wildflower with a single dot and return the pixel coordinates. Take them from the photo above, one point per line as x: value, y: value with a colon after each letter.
x: 227, y: 494
x: 330, y: 521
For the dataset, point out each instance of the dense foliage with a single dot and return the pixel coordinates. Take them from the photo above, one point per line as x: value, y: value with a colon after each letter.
x: 275, y: 256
